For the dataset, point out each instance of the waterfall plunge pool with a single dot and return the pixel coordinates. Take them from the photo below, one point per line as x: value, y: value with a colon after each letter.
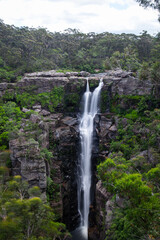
x: 80, y: 233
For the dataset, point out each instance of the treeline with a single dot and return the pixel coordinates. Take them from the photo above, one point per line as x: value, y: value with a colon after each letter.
x: 28, y: 49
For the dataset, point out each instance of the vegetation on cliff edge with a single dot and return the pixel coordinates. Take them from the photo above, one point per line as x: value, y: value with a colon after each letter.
x: 131, y: 172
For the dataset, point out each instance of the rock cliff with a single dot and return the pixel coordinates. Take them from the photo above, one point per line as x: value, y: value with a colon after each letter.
x: 57, y: 132
x: 120, y: 82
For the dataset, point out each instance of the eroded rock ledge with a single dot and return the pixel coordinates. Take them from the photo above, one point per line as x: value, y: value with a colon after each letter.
x: 121, y: 82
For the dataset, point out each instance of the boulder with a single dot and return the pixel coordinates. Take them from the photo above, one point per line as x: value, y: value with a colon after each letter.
x: 25, y: 110
x: 35, y: 118
x: 36, y: 107
x: 70, y: 121
x: 113, y: 128
x: 45, y: 113
x: 3, y: 86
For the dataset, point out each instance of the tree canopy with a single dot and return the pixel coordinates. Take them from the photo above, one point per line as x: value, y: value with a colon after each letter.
x: 24, y: 49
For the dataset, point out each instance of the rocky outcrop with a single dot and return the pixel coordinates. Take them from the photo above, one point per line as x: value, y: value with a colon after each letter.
x: 26, y: 157
x: 58, y: 133
x: 27, y: 162
x: 107, y: 132
x: 120, y: 82
x: 64, y: 138
x: 104, y: 209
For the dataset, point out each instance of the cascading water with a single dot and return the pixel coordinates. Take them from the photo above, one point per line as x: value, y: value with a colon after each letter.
x: 86, y: 128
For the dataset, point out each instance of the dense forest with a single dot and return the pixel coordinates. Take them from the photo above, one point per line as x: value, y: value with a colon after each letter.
x: 125, y: 173
x: 28, y: 50
x: 131, y: 172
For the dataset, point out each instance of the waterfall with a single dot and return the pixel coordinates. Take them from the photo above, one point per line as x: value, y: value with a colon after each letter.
x: 86, y: 128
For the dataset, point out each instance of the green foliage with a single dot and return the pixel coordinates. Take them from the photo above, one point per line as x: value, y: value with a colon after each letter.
x: 109, y: 172
x: 105, y: 101
x: 8, y: 96
x: 5, y: 159
x: 7, y: 76
x: 134, y: 106
x: 131, y: 174
x: 34, y: 192
x: 71, y: 101
x: 46, y: 155
x: 155, y: 72
x: 49, y: 100
x: 10, y: 120
x: 138, y: 214
x: 144, y: 71
x: 141, y: 130
x: 53, y: 190
x: 26, y: 218
x: 153, y: 176
x: 133, y: 115
x: 29, y: 50
x: 117, y: 146
x: 127, y: 60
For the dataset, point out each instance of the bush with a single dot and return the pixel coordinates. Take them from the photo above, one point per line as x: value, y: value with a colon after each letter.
x: 155, y: 73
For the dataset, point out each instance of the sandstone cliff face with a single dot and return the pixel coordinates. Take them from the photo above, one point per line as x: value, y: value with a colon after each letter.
x: 59, y: 135
x: 122, y: 83
x: 58, y: 132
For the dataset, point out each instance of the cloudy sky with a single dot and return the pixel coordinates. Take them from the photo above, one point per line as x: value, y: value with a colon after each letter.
x: 98, y: 16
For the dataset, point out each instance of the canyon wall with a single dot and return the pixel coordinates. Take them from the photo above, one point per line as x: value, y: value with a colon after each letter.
x: 57, y: 132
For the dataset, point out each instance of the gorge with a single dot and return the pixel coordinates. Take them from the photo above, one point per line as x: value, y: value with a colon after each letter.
x: 52, y: 101
x: 86, y: 129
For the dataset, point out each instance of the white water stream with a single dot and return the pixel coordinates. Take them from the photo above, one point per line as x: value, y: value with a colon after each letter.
x: 86, y: 128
